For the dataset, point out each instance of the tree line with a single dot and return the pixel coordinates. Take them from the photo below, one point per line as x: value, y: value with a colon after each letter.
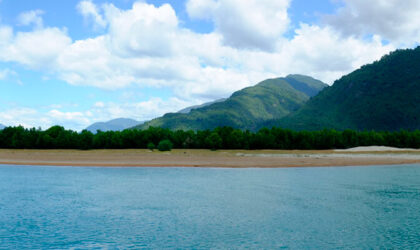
x: 57, y: 137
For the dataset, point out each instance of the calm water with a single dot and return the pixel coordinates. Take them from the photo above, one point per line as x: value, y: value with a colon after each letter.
x: 316, y: 208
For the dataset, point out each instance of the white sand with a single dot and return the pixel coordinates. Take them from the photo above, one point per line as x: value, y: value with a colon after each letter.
x: 371, y: 152
x: 357, y: 155
x: 374, y: 149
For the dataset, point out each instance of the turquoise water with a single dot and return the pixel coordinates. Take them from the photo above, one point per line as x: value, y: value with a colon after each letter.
x: 310, y: 208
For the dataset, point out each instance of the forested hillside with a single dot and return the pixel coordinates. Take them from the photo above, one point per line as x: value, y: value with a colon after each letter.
x: 247, y: 108
x: 384, y: 95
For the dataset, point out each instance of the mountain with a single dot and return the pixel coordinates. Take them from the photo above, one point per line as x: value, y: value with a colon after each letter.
x: 247, y: 108
x: 113, y: 125
x: 384, y: 95
x: 188, y: 109
x: 2, y: 126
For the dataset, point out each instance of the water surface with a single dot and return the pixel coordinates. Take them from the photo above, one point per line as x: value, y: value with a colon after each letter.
x: 315, y: 208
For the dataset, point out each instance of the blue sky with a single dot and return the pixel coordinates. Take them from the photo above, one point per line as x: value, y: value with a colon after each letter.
x: 76, y: 62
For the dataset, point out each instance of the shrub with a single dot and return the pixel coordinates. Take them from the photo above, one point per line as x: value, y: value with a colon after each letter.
x: 165, y: 145
x: 151, y: 146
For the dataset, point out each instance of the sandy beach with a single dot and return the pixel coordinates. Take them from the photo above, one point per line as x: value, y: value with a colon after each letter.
x: 207, y: 158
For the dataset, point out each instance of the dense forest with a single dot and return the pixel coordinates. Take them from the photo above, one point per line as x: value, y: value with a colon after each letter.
x: 383, y: 95
x: 220, y: 138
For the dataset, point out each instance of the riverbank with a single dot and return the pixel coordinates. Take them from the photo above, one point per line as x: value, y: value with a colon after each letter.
x: 207, y: 158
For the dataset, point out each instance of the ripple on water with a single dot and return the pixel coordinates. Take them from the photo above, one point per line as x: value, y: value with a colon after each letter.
x: 78, y: 208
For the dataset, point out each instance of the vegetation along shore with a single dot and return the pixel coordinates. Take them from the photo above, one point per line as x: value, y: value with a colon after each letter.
x: 220, y: 138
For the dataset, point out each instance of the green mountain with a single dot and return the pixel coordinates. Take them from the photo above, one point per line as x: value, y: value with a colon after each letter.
x: 188, y: 109
x: 384, y: 95
x: 113, y: 125
x: 247, y: 108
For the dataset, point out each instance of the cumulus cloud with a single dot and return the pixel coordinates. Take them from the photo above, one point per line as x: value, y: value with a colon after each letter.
x: 141, y: 111
x: 144, y: 30
x: 201, y: 9
x: 200, y: 65
x: 6, y: 35
x: 65, y: 115
x: 252, y: 24
x: 144, y: 45
x: 91, y: 12
x: 88, y: 62
x: 38, y: 48
x: 31, y: 17
x: 322, y: 53
x: 26, y: 117
x: 394, y: 20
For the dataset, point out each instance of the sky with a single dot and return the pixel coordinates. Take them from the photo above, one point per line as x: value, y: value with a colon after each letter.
x: 76, y: 62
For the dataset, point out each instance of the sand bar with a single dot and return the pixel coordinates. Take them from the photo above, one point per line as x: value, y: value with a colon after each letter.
x: 207, y: 158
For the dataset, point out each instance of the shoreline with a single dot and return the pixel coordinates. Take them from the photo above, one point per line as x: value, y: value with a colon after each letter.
x: 175, y: 166
x: 206, y: 158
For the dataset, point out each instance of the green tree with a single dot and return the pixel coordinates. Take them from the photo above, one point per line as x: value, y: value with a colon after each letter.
x: 85, y: 140
x: 165, y: 145
x: 213, y: 141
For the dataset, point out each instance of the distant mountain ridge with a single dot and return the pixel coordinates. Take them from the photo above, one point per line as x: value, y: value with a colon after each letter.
x: 384, y: 95
x: 246, y: 108
x: 118, y: 124
x: 2, y: 126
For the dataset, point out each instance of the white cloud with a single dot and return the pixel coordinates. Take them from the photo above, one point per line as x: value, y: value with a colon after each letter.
x: 324, y: 54
x: 252, y: 24
x: 6, y: 36
x: 141, y: 111
x: 201, y: 9
x: 71, y: 119
x: 99, y: 105
x: 394, y: 20
x: 88, y: 62
x: 144, y: 30
x: 98, y: 112
x: 6, y: 73
x: 26, y: 117
x: 90, y: 11
x: 31, y: 117
x: 145, y: 46
x: 31, y: 17
x: 37, y: 49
